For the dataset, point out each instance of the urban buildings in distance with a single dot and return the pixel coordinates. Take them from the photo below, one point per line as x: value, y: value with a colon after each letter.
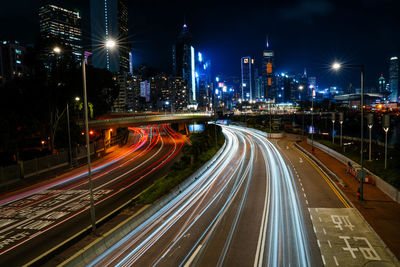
x: 59, y: 24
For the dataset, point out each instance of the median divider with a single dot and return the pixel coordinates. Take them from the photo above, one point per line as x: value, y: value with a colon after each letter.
x: 97, y: 247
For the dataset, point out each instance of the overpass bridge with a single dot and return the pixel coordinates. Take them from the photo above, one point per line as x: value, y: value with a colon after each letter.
x: 179, y: 118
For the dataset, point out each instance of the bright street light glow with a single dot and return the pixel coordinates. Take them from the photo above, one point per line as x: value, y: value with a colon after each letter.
x: 57, y: 50
x: 336, y: 66
x: 110, y: 43
x: 77, y: 98
x: 301, y: 87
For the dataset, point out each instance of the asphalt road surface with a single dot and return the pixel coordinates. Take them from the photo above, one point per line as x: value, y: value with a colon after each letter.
x: 34, y: 221
x: 260, y: 204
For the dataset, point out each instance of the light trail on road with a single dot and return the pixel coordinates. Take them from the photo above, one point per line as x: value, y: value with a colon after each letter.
x: 243, y: 210
x: 30, y: 215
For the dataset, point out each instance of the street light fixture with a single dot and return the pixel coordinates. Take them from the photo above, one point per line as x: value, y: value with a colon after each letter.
x: 337, y: 66
x: 57, y: 50
x: 110, y: 44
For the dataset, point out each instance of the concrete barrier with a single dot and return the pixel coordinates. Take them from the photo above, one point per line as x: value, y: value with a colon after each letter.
x: 388, y: 189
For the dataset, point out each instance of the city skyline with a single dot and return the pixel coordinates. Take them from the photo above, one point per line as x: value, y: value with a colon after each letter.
x: 294, y: 36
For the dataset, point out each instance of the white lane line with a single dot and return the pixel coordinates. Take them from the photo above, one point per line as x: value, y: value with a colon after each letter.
x: 320, y: 219
x: 315, y: 230
x: 323, y: 229
x: 307, y: 201
x: 337, y: 263
x: 319, y: 244
x: 311, y: 218
x: 187, y: 264
x: 305, y: 196
x: 329, y: 243
x: 323, y: 259
x: 302, y: 189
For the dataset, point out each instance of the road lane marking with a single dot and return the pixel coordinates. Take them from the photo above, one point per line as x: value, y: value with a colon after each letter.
x: 327, y: 180
x: 336, y: 262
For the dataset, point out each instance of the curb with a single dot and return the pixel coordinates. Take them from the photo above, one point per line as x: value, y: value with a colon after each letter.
x: 313, y: 158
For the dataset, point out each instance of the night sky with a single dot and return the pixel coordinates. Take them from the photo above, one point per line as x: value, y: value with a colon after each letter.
x: 308, y: 33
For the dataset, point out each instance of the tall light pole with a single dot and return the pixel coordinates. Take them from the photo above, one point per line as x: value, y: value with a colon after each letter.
x: 57, y: 50
x: 92, y: 209
x: 69, y: 138
x: 341, y: 128
x: 370, y: 124
x: 109, y: 44
x: 337, y: 66
x: 301, y: 87
x: 333, y: 127
x: 386, y: 124
x: 312, y: 118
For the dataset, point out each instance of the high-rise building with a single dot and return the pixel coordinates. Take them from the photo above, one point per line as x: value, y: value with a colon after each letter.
x: 12, y: 61
x: 394, y: 79
x: 267, y: 72
x: 381, y: 84
x: 109, y: 21
x: 183, y: 64
x: 248, y: 85
x: 61, y: 24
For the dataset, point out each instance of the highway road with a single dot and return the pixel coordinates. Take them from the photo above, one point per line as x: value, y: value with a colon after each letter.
x: 34, y: 221
x: 244, y: 210
x: 261, y: 203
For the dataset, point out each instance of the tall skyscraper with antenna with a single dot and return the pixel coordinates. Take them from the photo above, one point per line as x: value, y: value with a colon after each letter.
x: 268, y: 72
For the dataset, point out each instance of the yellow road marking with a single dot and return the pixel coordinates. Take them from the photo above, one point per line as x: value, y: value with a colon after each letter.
x: 327, y: 180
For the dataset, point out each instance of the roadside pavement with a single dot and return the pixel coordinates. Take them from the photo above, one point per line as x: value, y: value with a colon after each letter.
x: 378, y: 209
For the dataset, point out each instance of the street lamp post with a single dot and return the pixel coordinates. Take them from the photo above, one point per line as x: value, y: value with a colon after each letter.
x: 333, y: 127
x: 341, y: 128
x: 312, y: 119
x: 109, y: 45
x: 386, y: 124
x: 69, y: 138
x: 370, y: 124
x: 337, y: 66
x: 92, y: 209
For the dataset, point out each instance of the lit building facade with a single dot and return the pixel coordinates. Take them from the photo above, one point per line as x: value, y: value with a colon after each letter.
x: 184, y: 65
x: 267, y: 72
x: 12, y: 61
x: 394, y: 79
x: 248, y: 84
x: 63, y: 25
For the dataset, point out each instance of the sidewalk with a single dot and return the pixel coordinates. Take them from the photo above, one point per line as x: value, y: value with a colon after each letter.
x: 378, y: 209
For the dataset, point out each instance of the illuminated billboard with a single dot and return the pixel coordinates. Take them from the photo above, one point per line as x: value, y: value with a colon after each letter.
x: 195, y: 128
x: 268, y: 54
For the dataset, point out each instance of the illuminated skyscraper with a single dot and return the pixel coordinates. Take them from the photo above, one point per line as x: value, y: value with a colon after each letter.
x: 183, y: 64
x: 381, y: 84
x: 61, y: 24
x: 394, y: 79
x: 248, y: 85
x: 109, y: 21
x: 267, y: 72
